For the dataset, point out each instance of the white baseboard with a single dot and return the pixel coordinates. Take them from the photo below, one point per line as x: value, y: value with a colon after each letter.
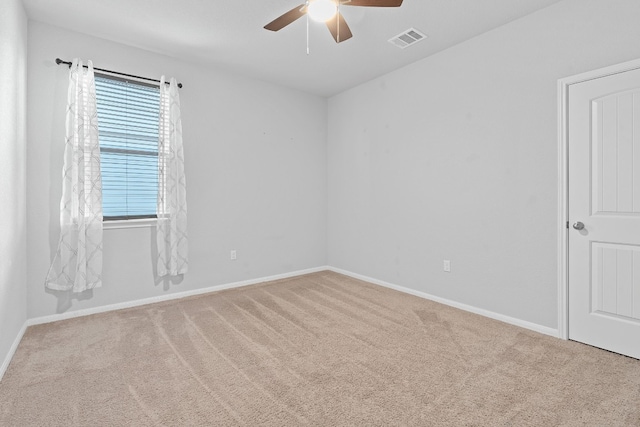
x: 167, y: 297
x: 496, y: 316
x: 12, y: 351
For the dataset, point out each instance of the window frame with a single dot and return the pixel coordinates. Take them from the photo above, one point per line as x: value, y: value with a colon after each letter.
x: 114, y: 224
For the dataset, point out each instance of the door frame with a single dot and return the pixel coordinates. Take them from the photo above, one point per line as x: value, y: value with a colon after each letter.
x: 563, y: 181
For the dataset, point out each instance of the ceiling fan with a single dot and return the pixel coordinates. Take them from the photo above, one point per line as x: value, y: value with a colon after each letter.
x: 327, y: 11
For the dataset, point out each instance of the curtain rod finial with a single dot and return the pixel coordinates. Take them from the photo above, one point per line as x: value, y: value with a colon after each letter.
x: 58, y: 61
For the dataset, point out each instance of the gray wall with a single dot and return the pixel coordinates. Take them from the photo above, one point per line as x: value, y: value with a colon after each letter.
x: 255, y: 160
x: 455, y: 157
x: 13, y: 61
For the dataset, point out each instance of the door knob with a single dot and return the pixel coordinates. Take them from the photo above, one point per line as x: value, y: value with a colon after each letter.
x: 578, y: 225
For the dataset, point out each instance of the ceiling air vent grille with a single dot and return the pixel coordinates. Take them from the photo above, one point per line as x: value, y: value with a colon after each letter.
x: 407, y: 38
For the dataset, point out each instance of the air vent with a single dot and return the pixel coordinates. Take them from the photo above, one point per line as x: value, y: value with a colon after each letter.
x: 407, y: 38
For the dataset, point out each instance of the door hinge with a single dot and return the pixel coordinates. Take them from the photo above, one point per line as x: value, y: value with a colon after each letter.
x: 567, y: 224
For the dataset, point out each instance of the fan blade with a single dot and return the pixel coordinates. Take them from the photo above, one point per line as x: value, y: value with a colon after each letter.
x: 373, y: 3
x: 286, y: 18
x: 344, y: 33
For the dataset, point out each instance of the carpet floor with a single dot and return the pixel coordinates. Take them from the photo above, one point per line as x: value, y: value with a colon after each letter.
x: 321, y: 349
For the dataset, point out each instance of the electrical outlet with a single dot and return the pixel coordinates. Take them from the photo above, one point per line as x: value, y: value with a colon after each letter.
x: 233, y: 255
x: 446, y: 265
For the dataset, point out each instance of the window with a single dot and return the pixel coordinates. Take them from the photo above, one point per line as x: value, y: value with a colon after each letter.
x: 128, y: 117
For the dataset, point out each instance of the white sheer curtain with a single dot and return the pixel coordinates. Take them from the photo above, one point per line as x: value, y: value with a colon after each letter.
x: 172, y: 188
x: 77, y: 265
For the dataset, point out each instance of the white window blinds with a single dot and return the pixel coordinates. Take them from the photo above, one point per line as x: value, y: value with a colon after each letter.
x: 128, y: 118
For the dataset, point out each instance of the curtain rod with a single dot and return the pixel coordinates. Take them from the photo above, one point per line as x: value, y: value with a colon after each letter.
x: 60, y: 61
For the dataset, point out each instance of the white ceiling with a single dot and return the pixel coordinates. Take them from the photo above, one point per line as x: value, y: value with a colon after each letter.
x: 229, y: 34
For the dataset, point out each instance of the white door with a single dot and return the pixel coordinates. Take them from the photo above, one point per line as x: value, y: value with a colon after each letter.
x: 604, y: 197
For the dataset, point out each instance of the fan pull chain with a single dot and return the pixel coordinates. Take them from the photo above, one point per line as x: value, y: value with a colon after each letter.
x: 338, y: 21
x: 307, y: 34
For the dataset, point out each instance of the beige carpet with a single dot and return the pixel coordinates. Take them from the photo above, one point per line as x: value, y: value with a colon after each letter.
x: 322, y: 350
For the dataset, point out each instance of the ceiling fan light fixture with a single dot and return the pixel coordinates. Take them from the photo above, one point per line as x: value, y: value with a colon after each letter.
x: 322, y: 10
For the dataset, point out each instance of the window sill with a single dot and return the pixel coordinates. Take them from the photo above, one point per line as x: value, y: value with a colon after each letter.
x: 129, y: 223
